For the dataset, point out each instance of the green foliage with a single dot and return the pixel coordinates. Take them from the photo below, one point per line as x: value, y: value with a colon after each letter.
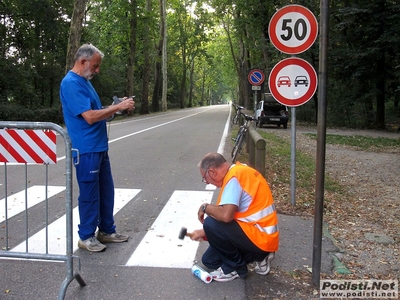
x: 20, y: 113
x: 364, y: 61
x: 211, y: 45
x: 33, y: 35
x: 108, y: 29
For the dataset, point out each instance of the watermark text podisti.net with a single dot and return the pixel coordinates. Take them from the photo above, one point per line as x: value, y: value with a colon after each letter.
x: 382, y: 289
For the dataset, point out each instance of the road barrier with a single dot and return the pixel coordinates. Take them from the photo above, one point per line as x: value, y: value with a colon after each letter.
x: 35, y: 142
x: 256, y: 148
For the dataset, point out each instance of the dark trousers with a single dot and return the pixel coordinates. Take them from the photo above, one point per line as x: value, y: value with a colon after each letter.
x: 229, y: 248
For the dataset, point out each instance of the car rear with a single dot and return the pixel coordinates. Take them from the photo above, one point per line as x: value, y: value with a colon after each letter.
x: 273, y: 112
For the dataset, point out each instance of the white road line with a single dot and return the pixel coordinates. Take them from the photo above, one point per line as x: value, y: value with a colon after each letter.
x: 35, y: 195
x: 210, y: 187
x: 225, y: 133
x: 221, y: 147
x: 57, y: 229
x: 161, y: 246
x: 147, y: 129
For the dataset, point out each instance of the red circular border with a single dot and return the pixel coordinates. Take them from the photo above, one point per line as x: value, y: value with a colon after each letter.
x: 292, y: 61
x: 251, y: 73
x: 288, y: 9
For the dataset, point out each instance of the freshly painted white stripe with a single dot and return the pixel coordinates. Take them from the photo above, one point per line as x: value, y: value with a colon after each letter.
x: 35, y: 195
x: 161, y: 246
x: 211, y: 187
x: 225, y: 133
x: 57, y: 229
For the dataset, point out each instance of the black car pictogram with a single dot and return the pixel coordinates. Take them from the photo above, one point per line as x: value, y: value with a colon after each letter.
x: 301, y: 80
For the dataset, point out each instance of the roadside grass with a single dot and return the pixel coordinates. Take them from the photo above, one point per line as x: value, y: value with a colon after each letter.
x: 278, y: 175
x: 278, y: 171
x: 360, y: 142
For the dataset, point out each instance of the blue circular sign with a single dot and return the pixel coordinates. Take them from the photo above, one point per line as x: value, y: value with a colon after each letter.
x: 256, y: 77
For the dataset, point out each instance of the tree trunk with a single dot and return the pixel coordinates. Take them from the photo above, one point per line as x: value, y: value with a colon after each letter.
x: 164, y: 56
x: 157, y: 79
x: 380, y: 69
x: 203, y: 83
x: 130, y: 76
x: 144, y: 108
x: 183, y: 81
x: 75, y: 32
x: 191, y: 83
x: 380, y: 97
x: 158, y: 66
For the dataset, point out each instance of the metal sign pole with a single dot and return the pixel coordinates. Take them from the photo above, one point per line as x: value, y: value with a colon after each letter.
x: 293, y: 157
x: 255, y: 101
x: 321, y: 144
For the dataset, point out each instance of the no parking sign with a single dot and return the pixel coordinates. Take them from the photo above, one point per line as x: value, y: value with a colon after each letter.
x: 256, y: 77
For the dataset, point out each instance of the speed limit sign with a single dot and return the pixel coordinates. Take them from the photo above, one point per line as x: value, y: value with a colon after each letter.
x: 293, y: 29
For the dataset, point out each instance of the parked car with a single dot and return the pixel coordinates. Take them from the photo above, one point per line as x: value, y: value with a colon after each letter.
x: 270, y: 111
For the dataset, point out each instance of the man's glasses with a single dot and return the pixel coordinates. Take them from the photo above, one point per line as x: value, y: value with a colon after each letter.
x: 204, y: 180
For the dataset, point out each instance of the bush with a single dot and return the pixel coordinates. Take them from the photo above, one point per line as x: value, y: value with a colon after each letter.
x: 20, y: 113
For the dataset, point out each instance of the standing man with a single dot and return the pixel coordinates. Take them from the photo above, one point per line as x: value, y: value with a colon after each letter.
x: 242, y: 227
x: 85, y: 120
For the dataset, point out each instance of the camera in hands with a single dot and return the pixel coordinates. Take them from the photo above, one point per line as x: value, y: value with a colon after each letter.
x: 116, y: 101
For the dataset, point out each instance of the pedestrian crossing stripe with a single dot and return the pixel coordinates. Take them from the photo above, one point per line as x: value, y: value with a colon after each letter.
x: 161, y: 246
x: 35, y: 194
x: 57, y: 229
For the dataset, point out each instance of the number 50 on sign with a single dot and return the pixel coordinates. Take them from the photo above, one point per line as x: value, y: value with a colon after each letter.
x: 293, y: 29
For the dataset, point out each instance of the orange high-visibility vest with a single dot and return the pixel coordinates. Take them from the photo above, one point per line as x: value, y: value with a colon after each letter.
x: 260, y: 221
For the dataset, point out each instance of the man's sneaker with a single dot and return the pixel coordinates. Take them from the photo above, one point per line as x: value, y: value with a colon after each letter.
x: 91, y: 244
x: 111, y: 237
x: 219, y: 275
x: 263, y: 268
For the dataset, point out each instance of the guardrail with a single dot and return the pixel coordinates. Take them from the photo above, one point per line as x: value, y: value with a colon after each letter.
x: 256, y: 146
x: 37, y: 145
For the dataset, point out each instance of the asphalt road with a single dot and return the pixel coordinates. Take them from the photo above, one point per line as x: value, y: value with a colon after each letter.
x: 155, y: 159
x: 157, y: 154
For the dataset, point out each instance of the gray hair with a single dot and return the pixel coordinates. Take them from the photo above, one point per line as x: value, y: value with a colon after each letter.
x: 212, y: 160
x: 87, y: 51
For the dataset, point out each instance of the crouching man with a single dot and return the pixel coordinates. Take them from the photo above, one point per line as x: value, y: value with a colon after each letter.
x: 242, y: 227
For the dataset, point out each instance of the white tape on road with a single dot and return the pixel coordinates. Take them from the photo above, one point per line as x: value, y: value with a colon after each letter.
x: 161, y: 246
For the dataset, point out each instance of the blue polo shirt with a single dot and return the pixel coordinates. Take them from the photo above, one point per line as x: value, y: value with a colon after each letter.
x: 77, y: 96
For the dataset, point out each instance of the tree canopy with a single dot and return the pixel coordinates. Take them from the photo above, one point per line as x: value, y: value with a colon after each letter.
x: 210, y: 46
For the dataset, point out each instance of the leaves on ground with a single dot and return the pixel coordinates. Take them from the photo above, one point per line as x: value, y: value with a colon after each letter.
x: 361, y: 196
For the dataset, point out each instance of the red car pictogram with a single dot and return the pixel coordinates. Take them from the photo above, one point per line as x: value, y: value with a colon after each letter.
x: 284, y: 80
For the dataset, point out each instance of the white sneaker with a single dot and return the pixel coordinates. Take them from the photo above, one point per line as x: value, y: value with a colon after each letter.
x: 115, y: 237
x: 91, y: 244
x: 219, y: 275
x: 263, y: 267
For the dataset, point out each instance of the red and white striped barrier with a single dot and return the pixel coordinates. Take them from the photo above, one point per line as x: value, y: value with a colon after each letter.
x: 28, y: 146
